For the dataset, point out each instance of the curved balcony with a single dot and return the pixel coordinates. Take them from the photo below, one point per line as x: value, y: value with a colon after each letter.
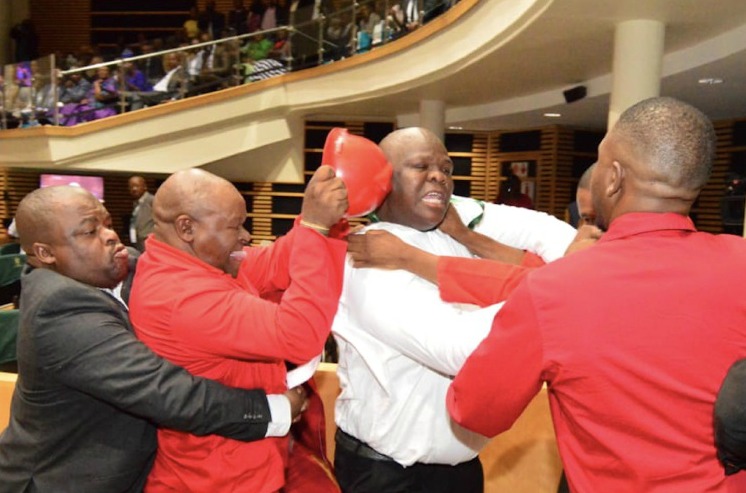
x: 255, y: 131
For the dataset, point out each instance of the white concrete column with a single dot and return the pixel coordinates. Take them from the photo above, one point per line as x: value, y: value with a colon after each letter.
x: 433, y: 116
x: 638, y: 61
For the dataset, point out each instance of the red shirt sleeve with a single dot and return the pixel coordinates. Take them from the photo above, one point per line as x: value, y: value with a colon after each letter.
x: 504, y: 373
x: 237, y: 323
x: 479, y: 281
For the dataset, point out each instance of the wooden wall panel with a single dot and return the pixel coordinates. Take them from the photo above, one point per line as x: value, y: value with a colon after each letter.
x: 17, y: 183
x: 62, y: 25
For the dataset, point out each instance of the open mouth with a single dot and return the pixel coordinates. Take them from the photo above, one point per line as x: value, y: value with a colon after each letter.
x: 435, y: 198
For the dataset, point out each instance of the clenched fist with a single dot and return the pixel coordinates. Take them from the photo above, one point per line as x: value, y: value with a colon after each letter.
x: 325, y: 200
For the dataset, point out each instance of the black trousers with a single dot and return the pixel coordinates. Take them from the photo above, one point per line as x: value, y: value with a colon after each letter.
x: 359, y: 474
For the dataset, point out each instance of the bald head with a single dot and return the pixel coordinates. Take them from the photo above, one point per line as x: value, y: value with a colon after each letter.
x: 673, y: 142
x: 201, y: 214
x: 421, y: 184
x: 37, y: 217
x: 585, y: 179
x: 583, y: 198
x: 67, y: 230
x: 657, y: 158
x: 395, y: 145
x: 192, y: 192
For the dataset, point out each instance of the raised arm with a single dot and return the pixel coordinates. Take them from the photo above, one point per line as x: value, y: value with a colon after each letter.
x: 460, y: 280
x: 478, y: 244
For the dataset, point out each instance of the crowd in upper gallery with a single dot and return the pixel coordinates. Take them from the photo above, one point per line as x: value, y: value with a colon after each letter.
x: 212, y: 50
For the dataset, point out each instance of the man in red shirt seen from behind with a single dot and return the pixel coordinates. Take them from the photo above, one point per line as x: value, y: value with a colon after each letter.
x: 632, y: 336
x: 198, y: 302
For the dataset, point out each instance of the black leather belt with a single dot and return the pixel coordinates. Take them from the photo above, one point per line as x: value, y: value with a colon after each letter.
x: 355, y: 446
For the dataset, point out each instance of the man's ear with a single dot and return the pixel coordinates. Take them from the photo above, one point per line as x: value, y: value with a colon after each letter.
x: 616, y: 179
x: 184, y: 226
x: 44, y: 252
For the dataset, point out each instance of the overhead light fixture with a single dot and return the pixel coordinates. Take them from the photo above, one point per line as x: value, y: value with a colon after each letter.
x: 455, y: 128
x: 553, y: 115
x: 710, y: 80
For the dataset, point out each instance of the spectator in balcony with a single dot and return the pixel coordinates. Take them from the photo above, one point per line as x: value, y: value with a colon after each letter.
x: 238, y: 18
x: 257, y: 48
x: 405, y: 17
x: 134, y: 78
x: 105, y: 95
x: 369, y: 19
x: 152, y: 67
x: 210, y: 20
x: 283, y: 13
x: 191, y: 25
x: 338, y: 36
x: 74, y: 96
x: 172, y: 86
x: 92, y: 73
x: 281, y: 50
x: 26, y: 41
x: 256, y: 12
x: 269, y: 17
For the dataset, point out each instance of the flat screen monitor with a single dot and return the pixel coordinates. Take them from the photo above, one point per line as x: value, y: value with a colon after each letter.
x: 94, y: 184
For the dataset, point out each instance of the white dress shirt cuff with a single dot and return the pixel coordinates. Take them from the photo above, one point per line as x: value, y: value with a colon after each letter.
x: 279, y: 408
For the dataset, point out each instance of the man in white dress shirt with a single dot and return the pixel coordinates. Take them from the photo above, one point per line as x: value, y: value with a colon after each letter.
x: 399, y: 343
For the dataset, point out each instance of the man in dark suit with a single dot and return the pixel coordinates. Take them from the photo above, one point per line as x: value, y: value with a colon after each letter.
x: 141, y: 222
x: 89, y: 394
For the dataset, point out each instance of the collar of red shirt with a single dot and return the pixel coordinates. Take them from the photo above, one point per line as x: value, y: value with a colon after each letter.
x: 635, y: 223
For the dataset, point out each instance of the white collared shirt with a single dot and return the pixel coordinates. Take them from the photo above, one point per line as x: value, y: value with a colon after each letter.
x: 399, y: 343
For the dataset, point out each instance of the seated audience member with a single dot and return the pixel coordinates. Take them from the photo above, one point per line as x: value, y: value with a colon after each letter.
x: 257, y: 48
x: 281, y: 49
x: 210, y: 20
x: 104, y: 96
x: 152, y: 67
x: 74, y: 99
x: 237, y: 17
x: 337, y: 37
x: 172, y: 86
x: 394, y: 364
x: 89, y: 394
x: 203, y: 301
x: 134, y: 78
x: 282, y: 13
x: 632, y: 380
x: 263, y: 69
x: 190, y: 26
x: 405, y: 17
x: 269, y: 17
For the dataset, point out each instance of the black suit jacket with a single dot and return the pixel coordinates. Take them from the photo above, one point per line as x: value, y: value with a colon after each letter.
x: 88, y: 395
